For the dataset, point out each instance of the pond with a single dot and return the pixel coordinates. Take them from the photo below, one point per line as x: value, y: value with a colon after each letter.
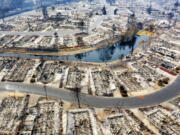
x: 107, y: 54
x: 111, y: 53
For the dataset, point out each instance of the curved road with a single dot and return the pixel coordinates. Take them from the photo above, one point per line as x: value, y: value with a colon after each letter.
x: 155, y: 98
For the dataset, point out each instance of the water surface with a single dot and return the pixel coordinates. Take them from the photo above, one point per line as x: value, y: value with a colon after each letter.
x: 111, y: 53
x: 107, y: 54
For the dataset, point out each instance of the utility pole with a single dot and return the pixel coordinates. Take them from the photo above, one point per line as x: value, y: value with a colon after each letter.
x: 45, y: 90
x: 78, y: 90
x: 55, y: 46
x: 29, y: 25
x: 113, y: 29
x: 82, y: 24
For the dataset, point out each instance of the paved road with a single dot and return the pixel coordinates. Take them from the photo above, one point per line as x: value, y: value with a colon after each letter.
x: 158, y: 97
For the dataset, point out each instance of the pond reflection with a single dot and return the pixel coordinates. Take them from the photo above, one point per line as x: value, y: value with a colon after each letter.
x: 114, y: 52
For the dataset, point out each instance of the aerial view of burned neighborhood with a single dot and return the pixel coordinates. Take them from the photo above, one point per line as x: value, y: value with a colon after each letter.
x: 89, y: 67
